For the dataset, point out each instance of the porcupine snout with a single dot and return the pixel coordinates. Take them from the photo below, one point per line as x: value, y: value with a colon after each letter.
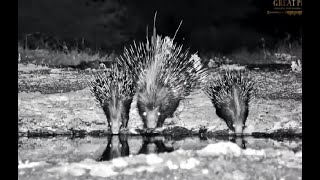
x: 152, y: 117
x: 115, y: 124
x: 239, y: 112
x: 238, y: 127
x: 115, y: 119
x: 114, y: 110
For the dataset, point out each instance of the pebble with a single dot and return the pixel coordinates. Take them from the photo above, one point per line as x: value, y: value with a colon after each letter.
x: 205, y: 171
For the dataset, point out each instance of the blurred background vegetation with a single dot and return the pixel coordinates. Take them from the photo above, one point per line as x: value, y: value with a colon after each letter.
x: 58, y: 32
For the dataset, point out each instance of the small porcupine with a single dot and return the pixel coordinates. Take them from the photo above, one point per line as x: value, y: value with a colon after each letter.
x: 165, y: 75
x: 230, y: 94
x: 114, y: 90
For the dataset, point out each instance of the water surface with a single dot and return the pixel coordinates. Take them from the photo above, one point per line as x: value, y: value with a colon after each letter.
x: 69, y: 149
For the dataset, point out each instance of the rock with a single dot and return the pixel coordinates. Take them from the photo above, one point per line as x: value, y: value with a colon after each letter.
x: 222, y: 148
x: 153, y: 159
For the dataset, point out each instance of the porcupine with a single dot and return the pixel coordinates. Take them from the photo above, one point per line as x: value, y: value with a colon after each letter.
x: 114, y: 90
x: 165, y: 75
x: 230, y: 94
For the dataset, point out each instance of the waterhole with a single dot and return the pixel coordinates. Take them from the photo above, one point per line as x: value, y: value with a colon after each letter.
x: 70, y: 149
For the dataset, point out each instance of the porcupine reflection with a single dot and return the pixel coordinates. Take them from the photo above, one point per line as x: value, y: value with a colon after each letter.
x: 154, y: 145
x: 239, y: 141
x: 117, y: 147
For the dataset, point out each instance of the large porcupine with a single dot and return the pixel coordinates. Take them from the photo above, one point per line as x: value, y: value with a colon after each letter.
x: 230, y: 94
x: 165, y: 76
x: 114, y: 90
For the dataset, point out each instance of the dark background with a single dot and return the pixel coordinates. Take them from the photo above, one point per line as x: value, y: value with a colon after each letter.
x: 208, y: 25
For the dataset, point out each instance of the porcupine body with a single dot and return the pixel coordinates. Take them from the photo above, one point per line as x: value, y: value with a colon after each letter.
x: 230, y: 94
x: 114, y: 90
x: 165, y: 75
x: 156, y: 100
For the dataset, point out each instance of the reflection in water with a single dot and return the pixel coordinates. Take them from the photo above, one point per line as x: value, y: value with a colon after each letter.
x: 154, y: 145
x: 118, y: 147
x: 34, y: 149
x: 239, y: 140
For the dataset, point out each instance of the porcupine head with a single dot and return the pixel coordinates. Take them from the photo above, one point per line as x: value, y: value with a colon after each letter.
x: 117, y: 112
x: 155, y: 107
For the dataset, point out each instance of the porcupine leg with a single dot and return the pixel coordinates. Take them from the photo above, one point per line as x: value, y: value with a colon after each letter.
x: 160, y: 121
x: 177, y: 112
x: 124, y: 145
x: 180, y: 108
x: 168, y: 112
x: 126, y: 111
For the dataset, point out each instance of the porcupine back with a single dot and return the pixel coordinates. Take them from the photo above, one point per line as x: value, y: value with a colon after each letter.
x: 174, y: 62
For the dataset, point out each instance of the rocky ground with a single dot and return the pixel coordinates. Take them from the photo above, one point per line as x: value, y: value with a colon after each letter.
x: 57, y: 102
